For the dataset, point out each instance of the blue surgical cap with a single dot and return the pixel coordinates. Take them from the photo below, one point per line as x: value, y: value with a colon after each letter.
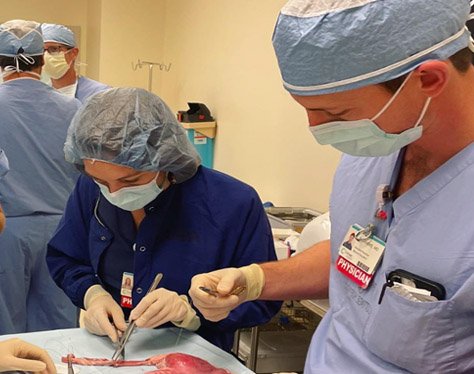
x: 19, y: 37
x: 131, y: 127
x: 329, y: 46
x: 58, y: 34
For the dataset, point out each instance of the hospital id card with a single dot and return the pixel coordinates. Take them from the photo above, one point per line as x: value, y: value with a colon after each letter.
x: 126, y: 290
x: 359, y: 256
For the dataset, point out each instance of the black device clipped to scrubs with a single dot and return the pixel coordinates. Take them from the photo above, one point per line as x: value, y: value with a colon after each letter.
x: 436, y: 289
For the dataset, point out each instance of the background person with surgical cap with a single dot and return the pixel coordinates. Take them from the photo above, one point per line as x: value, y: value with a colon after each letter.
x: 390, y: 84
x: 16, y: 354
x: 34, y: 120
x: 146, y: 206
x: 60, y: 57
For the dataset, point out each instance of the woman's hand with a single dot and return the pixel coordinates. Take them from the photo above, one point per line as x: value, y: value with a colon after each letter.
x: 15, y: 354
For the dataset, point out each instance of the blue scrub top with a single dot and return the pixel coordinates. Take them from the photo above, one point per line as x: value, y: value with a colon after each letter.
x: 430, y: 234
x: 208, y: 222
x: 34, y: 121
x: 87, y: 87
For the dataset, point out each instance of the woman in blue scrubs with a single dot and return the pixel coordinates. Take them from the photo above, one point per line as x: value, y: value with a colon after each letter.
x: 145, y: 206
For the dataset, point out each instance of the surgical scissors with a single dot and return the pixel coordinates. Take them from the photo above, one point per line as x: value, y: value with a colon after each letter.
x: 126, y: 335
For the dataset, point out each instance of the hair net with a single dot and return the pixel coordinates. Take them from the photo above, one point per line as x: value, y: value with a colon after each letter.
x: 131, y: 127
x: 58, y: 34
x: 21, y: 38
x: 337, y: 45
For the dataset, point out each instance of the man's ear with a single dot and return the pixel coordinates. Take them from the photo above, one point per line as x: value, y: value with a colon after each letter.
x: 74, y: 52
x: 433, y: 76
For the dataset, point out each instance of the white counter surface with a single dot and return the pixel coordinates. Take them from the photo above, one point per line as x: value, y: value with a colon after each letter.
x: 142, y: 344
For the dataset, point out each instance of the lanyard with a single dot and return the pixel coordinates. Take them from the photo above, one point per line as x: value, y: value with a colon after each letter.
x: 383, y: 216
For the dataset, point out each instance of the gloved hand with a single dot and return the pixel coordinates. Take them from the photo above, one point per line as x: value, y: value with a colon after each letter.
x: 161, y: 306
x: 225, y: 281
x: 103, y: 316
x: 15, y: 354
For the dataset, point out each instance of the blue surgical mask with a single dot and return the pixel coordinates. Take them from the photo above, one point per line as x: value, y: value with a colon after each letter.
x: 132, y: 198
x: 364, y: 138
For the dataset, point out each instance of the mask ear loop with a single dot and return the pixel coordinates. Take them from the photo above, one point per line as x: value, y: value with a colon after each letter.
x: 394, y: 96
x: 423, y: 111
x: 72, y: 61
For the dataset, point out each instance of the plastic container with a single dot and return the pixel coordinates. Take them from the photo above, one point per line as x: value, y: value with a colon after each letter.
x: 277, y: 350
x: 295, y: 217
x: 201, y: 135
x: 284, y: 341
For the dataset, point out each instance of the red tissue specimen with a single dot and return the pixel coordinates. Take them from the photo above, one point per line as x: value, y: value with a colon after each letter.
x: 171, y: 363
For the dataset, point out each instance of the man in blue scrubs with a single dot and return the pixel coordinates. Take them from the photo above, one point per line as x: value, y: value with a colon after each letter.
x: 390, y: 84
x: 34, y: 120
x: 60, y: 57
x: 146, y: 206
x: 16, y: 354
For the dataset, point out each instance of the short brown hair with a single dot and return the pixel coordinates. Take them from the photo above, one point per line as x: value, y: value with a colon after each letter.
x: 10, y: 61
x: 461, y: 61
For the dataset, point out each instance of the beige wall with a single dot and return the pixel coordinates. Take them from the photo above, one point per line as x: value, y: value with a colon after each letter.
x: 72, y: 13
x: 93, y: 32
x: 50, y: 11
x: 130, y: 30
x: 220, y: 54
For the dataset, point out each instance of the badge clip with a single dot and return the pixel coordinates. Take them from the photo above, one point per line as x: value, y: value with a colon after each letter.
x: 365, y: 233
x: 383, y: 194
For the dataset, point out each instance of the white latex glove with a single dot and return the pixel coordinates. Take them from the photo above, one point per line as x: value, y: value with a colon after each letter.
x: 103, y: 316
x: 15, y: 354
x: 161, y: 306
x: 225, y: 281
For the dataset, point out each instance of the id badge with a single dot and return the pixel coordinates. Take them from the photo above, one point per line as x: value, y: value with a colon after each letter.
x: 359, y: 255
x: 126, y: 290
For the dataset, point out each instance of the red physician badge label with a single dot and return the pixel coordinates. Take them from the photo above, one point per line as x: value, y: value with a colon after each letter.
x: 359, y: 255
x: 126, y: 302
x: 354, y: 273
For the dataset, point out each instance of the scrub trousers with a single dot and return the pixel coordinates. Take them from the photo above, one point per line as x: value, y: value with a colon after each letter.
x: 29, y: 298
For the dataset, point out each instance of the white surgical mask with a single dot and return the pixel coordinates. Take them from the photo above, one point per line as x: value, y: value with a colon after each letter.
x: 45, y: 78
x: 364, y: 138
x: 55, y: 65
x: 132, y: 198
x: 69, y: 90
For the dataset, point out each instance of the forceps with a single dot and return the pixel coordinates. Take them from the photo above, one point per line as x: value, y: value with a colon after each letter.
x: 70, y: 369
x: 131, y: 326
x: 236, y: 291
